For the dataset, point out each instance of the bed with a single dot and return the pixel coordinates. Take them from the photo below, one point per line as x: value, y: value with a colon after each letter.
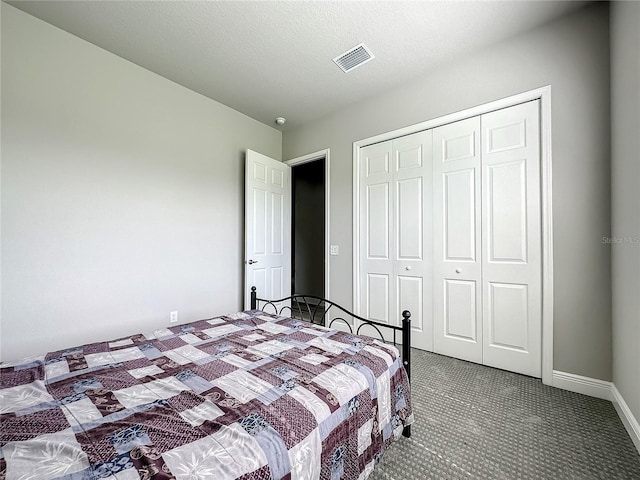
x: 251, y: 395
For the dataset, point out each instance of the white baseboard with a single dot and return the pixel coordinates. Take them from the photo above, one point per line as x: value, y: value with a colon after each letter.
x: 625, y: 414
x: 585, y: 385
x: 606, y: 391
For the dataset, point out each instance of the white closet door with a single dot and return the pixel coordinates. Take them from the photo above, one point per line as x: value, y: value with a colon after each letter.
x: 412, y: 228
x: 376, y: 241
x: 457, y: 266
x: 511, y: 267
x: 395, y: 234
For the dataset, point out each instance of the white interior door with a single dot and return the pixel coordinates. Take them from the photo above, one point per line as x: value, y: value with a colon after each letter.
x: 267, y: 227
x: 511, y: 270
x: 457, y: 266
x: 394, y: 233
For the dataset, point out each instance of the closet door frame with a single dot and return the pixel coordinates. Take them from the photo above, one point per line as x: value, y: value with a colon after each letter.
x: 544, y: 95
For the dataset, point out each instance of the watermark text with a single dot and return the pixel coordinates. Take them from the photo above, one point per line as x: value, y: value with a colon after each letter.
x: 621, y: 240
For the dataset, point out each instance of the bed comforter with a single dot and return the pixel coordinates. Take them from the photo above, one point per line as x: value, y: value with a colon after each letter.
x: 248, y: 396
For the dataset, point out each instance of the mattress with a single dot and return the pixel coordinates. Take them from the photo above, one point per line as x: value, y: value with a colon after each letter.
x: 242, y: 396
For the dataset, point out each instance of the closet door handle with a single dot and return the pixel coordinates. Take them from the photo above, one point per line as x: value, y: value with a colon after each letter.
x: 251, y: 262
x: 458, y: 270
x: 408, y: 267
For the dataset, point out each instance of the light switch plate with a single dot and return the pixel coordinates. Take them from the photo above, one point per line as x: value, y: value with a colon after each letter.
x: 334, y: 250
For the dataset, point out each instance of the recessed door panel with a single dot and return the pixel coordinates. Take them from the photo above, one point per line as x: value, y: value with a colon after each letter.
x: 506, y: 136
x: 378, y: 221
x: 460, y: 215
x: 259, y: 237
x: 377, y: 164
x: 409, y: 157
x: 277, y: 178
x: 377, y: 289
x: 410, y: 297
x: 508, y: 316
x: 277, y: 227
x: 277, y: 283
x: 458, y: 147
x: 410, y: 219
x: 258, y: 279
x: 507, y: 220
x: 259, y: 172
x: 460, y: 316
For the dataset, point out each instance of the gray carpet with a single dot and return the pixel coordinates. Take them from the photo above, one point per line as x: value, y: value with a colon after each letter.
x: 475, y: 422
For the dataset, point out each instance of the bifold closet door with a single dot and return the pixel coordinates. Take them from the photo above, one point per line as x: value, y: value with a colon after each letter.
x: 487, y: 240
x: 395, y: 233
x: 511, y: 238
x: 449, y: 227
x: 457, y: 266
x: 376, y: 241
x: 412, y: 229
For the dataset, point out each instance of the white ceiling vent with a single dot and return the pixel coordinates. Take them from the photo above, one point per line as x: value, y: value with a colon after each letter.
x: 353, y: 58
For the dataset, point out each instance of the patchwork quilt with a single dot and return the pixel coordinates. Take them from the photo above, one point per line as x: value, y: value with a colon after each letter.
x: 244, y: 396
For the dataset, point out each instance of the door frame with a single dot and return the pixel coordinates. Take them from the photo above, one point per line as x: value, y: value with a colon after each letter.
x: 312, y: 157
x: 544, y: 95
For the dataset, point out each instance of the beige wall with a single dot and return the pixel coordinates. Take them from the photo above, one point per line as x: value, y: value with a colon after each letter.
x: 625, y: 181
x: 122, y: 194
x: 571, y: 55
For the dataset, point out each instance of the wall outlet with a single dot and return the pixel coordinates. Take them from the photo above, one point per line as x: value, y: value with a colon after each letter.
x: 334, y: 250
x: 173, y: 316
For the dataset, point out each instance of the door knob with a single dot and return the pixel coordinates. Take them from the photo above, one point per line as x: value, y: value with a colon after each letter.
x: 251, y: 262
x: 408, y: 267
x: 458, y: 270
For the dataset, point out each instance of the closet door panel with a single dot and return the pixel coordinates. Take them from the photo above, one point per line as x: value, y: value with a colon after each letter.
x: 460, y: 317
x: 410, y: 293
x: 506, y: 212
x: 377, y: 297
x: 375, y: 232
x: 412, y: 228
x: 459, y: 215
x: 377, y: 221
x: 410, y: 220
x: 512, y: 284
x: 507, y: 311
x: 457, y: 329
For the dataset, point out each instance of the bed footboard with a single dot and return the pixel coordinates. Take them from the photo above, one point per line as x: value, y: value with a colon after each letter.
x: 325, y: 312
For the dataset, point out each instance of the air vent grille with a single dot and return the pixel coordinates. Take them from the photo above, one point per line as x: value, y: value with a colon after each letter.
x: 353, y: 58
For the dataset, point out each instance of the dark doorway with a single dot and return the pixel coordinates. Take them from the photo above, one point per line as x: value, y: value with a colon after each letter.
x: 308, y: 229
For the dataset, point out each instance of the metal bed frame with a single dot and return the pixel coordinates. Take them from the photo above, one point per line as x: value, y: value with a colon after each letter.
x: 319, y: 310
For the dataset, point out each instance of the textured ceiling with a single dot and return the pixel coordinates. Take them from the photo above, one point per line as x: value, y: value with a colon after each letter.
x: 274, y: 58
